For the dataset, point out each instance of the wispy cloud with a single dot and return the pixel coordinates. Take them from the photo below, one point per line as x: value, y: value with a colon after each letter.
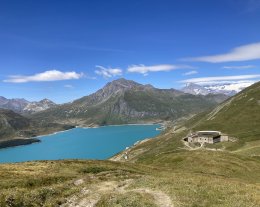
x: 50, y: 75
x: 108, y: 72
x: 68, y: 86
x: 192, y: 72
x: 239, y: 67
x: 216, y: 79
x: 143, y: 69
x: 242, y: 53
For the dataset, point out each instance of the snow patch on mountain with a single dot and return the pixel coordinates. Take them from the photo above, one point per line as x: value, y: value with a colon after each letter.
x: 195, y: 89
x: 229, y: 89
x: 35, y: 106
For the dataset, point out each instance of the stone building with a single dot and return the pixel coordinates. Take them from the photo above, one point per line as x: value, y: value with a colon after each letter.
x: 210, y: 137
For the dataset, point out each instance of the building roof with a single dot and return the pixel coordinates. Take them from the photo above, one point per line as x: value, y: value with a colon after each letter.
x: 209, y: 133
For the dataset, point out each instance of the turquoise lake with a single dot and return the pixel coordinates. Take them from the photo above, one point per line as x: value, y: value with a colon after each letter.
x: 80, y: 143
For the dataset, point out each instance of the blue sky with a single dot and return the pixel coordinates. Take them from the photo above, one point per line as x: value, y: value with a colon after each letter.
x: 64, y: 49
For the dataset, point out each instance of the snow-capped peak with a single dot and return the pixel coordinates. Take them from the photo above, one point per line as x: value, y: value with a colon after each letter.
x: 195, y: 89
x: 220, y: 88
x: 39, y: 106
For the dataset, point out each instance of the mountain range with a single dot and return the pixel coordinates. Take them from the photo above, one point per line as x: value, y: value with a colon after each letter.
x: 228, y: 89
x: 20, y: 105
x: 118, y: 102
x: 124, y: 101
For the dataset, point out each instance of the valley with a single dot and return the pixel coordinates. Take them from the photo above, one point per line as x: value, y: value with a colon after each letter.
x: 163, y: 167
x: 141, y: 103
x: 119, y: 102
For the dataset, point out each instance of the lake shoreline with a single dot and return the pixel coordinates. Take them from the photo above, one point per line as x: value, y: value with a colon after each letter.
x: 81, y: 143
x: 18, y: 142
x: 36, y: 139
x: 116, y: 125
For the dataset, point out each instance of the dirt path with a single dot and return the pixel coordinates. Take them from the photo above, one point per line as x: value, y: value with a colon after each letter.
x: 90, y: 197
x: 160, y: 198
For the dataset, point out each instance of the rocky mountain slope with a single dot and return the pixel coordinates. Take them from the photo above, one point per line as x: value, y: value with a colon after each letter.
x: 16, y: 104
x: 15, y: 129
x: 23, y: 106
x: 12, y: 124
x: 124, y: 101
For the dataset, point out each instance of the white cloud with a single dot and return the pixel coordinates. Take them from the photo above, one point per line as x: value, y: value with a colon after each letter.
x: 155, y: 68
x: 69, y: 86
x: 240, y: 67
x: 51, y: 75
x: 242, y: 53
x: 192, y: 72
x: 217, y: 79
x: 108, y: 72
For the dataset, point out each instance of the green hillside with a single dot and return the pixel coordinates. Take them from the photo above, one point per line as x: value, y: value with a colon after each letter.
x: 238, y: 116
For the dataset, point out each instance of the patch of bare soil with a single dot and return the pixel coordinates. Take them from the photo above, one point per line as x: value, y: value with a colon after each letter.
x: 90, y: 197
